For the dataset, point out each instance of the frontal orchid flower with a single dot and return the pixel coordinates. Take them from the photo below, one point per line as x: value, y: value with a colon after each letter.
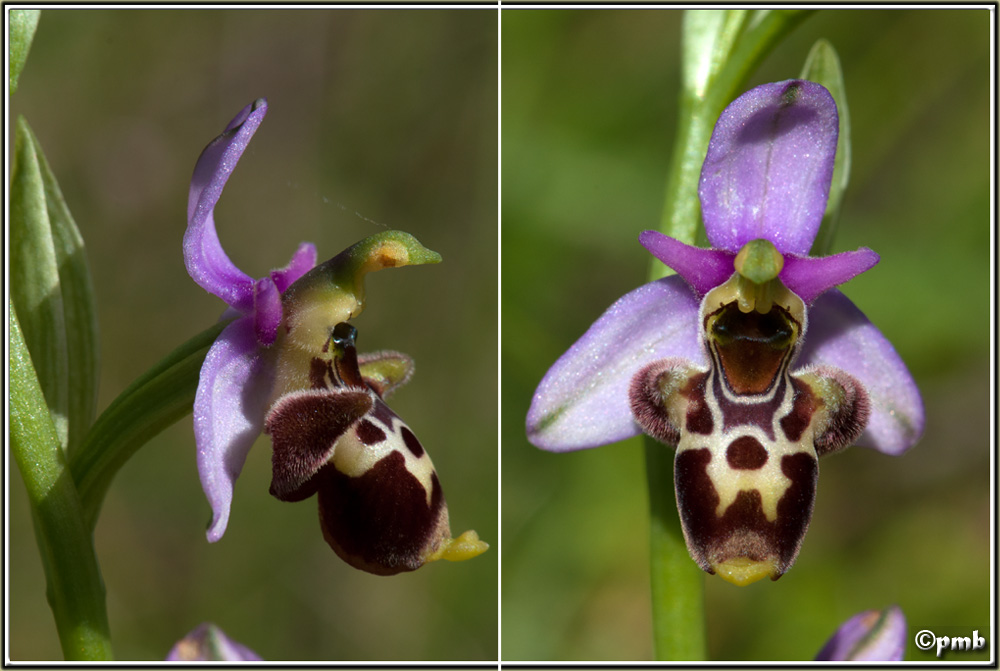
x: 748, y: 361
x: 287, y: 365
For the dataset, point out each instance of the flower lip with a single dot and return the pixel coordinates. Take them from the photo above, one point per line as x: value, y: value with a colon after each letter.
x: 382, y: 508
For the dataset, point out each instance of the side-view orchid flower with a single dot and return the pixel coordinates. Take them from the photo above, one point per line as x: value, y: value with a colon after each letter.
x: 287, y: 365
x: 749, y: 361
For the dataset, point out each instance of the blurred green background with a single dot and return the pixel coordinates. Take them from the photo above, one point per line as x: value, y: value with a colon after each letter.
x: 589, y: 101
x: 378, y: 118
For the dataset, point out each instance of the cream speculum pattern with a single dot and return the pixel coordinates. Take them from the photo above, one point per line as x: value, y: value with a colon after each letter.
x: 749, y: 361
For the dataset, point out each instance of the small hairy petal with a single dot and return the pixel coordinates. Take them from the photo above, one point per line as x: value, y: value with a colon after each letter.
x: 871, y: 636
x: 840, y: 336
x: 849, y: 412
x: 385, y: 371
x: 206, y: 261
x: 229, y: 409
x: 810, y: 276
x: 703, y: 269
x: 769, y: 165
x: 649, y: 394
x: 583, y: 399
x: 303, y: 260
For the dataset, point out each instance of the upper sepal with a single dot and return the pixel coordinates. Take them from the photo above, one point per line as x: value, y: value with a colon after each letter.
x: 769, y: 165
x: 207, y: 262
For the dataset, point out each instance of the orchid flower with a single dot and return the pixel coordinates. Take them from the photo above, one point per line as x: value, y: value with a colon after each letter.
x: 287, y: 365
x: 871, y: 636
x: 749, y: 361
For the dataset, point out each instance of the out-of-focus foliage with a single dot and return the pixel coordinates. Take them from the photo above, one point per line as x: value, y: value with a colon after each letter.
x: 379, y: 119
x: 23, y: 23
x: 589, y: 112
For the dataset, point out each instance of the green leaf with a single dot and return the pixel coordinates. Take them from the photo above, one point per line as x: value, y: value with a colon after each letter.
x: 65, y: 543
x: 823, y: 67
x: 52, y: 290
x: 157, y: 399
x: 23, y: 23
x: 707, y: 38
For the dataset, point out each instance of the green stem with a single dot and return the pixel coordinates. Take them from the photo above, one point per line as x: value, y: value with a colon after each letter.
x: 74, y: 586
x: 676, y: 582
x: 157, y: 399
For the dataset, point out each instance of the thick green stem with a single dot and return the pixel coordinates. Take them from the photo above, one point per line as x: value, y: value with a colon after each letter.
x: 676, y: 582
x: 73, y: 578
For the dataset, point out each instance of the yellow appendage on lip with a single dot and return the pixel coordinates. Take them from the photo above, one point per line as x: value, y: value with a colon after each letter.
x: 466, y: 546
x: 742, y: 571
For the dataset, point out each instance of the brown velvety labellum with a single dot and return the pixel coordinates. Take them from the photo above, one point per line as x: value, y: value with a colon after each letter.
x: 743, y: 530
x: 304, y: 427
x: 380, y: 522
